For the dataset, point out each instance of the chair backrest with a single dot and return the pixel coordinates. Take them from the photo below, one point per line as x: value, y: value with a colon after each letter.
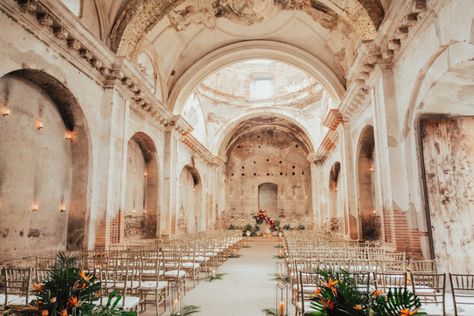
x: 462, y: 286
x: 45, y: 262
x: 362, y: 280
x: 423, y: 266
x: 430, y: 288
x: 386, y: 281
x: 17, y: 282
x: 307, y: 280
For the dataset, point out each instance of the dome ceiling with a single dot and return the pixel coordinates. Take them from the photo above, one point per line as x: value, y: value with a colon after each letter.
x: 256, y: 91
x: 262, y: 82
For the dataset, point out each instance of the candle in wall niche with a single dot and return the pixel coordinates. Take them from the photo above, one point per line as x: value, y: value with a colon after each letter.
x: 68, y: 135
x: 5, y: 111
x: 35, y: 207
x: 39, y: 124
x: 145, y: 174
x: 62, y: 208
x: 282, y: 308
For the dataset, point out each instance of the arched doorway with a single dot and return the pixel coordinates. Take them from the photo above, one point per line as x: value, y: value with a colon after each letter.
x: 190, y: 201
x: 369, y: 221
x: 44, y: 166
x: 268, y: 199
x: 333, y: 195
x: 141, y: 197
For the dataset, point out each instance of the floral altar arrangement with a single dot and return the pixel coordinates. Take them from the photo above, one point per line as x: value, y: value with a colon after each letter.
x: 338, y: 294
x: 262, y: 216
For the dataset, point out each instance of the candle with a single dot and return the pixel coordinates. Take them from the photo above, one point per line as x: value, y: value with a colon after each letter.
x: 213, y: 273
x: 282, y: 308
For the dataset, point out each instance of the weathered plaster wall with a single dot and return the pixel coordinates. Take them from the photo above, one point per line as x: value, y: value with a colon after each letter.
x: 268, y: 157
x: 35, y: 171
x: 448, y: 149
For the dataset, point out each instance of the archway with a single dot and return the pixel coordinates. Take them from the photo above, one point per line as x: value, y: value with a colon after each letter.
x: 333, y: 195
x: 268, y: 199
x: 190, y: 201
x: 369, y: 221
x: 141, y: 196
x: 44, y: 202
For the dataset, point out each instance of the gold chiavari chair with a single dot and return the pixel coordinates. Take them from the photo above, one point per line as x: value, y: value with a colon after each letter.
x: 17, y: 287
x: 462, y: 287
x: 431, y: 289
x: 153, y: 288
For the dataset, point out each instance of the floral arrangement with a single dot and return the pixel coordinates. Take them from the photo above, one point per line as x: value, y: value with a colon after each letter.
x: 67, y: 290
x: 338, y: 295
x: 262, y: 216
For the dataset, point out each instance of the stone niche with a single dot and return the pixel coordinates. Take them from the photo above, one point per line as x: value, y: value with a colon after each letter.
x: 448, y: 150
x: 35, y: 171
x: 268, y: 169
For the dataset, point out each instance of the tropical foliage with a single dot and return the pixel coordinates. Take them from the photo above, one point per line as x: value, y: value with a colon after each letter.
x: 338, y: 294
x: 187, y: 310
x: 67, y: 290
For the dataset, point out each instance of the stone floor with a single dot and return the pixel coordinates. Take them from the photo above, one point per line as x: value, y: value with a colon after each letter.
x: 245, y: 289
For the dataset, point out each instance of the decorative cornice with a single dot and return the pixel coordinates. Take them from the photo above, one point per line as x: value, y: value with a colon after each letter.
x: 199, y: 150
x: 328, y: 144
x: 333, y: 118
x: 403, y: 18
x: 52, y: 23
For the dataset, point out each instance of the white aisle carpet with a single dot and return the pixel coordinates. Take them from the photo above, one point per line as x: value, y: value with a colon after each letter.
x: 247, y: 287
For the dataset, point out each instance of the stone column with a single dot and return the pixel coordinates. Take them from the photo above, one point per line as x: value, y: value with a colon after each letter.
x: 106, y: 181
x: 391, y: 169
x: 348, y: 181
x: 170, y: 182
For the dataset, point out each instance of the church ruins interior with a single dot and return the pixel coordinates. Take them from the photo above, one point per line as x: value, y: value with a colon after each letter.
x: 237, y: 157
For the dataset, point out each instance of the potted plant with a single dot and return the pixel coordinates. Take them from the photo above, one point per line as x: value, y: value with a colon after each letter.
x: 287, y: 227
x: 248, y: 230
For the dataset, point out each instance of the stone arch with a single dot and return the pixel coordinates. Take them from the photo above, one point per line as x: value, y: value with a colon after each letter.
x: 37, y: 108
x: 190, y: 213
x: 183, y: 86
x: 221, y: 141
x: 333, y: 194
x: 142, y: 188
x: 369, y: 225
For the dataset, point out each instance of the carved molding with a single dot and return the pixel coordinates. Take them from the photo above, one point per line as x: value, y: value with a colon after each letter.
x: 381, y: 52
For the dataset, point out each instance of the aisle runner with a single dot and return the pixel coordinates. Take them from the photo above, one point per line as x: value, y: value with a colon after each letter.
x: 246, y: 289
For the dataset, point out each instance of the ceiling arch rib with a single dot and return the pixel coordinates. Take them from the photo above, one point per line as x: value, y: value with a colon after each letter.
x: 140, y: 16
x: 189, y: 80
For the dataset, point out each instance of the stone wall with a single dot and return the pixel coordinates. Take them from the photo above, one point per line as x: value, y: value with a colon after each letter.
x: 268, y: 157
x: 448, y: 149
x: 35, y: 171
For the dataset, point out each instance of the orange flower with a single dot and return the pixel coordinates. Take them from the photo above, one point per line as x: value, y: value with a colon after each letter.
x: 327, y: 304
x: 331, y: 285
x: 84, y: 277
x: 376, y: 293
x: 316, y: 292
x: 358, y: 307
x: 73, y: 301
x: 63, y: 312
x: 407, y: 312
x: 44, y: 312
x: 38, y: 287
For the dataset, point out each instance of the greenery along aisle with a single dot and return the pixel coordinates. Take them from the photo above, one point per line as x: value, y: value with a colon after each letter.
x: 339, y: 295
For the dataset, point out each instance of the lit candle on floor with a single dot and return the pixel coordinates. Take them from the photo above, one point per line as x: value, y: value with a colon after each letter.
x: 213, y: 273
x: 282, y: 309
